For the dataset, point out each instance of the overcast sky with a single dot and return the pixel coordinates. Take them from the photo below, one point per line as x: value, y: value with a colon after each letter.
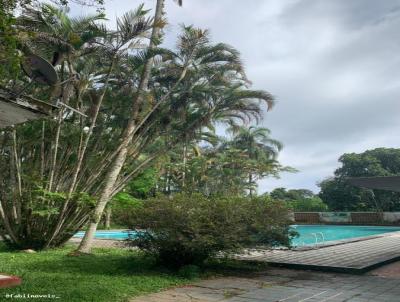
x: 333, y: 66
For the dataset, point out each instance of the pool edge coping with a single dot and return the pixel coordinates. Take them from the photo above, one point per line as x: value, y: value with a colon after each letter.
x: 343, y: 241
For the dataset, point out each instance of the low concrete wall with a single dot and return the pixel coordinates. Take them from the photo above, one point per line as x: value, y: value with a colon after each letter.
x: 357, y: 218
x: 392, y: 217
x: 335, y: 217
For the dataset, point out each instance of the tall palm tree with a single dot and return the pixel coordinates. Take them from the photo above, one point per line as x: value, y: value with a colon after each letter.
x: 197, y: 84
x: 257, y: 144
x: 64, y: 152
x: 57, y: 34
x: 131, y: 27
x: 111, y: 178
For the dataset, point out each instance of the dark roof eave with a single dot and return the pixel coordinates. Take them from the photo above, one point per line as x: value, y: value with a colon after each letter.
x: 14, y: 110
x: 389, y: 183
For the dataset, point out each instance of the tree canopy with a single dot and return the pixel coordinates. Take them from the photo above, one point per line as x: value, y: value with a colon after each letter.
x: 340, y: 195
x: 139, y: 102
x: 299, y: 200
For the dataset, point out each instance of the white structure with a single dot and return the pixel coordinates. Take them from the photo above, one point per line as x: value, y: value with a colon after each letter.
x: 21, y: 109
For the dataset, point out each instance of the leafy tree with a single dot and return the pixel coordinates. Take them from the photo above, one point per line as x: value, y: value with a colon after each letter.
x: 139, y: 104
x: 341, y: 196
x: 301, y: 200
x: 183, y: 82
x: 9, y: 57
x: 311, y: 204
x: 60, y: 156
x: 143, y: 185
x: 119, y: 209
x: 260, y: 148
x: 225, y: 167
x: 293, y: 194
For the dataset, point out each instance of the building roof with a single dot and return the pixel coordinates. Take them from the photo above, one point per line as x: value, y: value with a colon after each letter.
x: 16, y: 110
x: 390, y: 183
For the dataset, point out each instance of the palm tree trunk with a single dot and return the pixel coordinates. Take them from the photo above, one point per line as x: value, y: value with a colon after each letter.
x: 110, y: 180
x: 42, y: 146
x: 54, y: 158
x: 169, y: 180
x: 184, y: 164
x: 111, y: 177
x: 250, y: 184
x: 7, y: 225
x: 108, y: 218
x: 89, y: 134
x: 17, y: 200
x: 82, y: 152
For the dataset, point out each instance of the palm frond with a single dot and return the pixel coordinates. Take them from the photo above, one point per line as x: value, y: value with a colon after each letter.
x: 133, y: 24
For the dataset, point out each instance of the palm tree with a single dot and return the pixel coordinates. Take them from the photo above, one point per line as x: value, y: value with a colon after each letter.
x: 112, y: 175
x: 131, y: 27
x: 197, y: 84
x: 64, y: 152
x: 140, y: 104
x: 257, y: 144
x: 57, y: 35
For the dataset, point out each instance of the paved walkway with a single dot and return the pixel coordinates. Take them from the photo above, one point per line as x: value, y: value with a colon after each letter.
x: 101, y: 242
x: 353, y: 257
x: 283, y: 285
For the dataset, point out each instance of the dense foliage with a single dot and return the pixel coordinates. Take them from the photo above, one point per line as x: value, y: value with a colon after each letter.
x: 312, y: 204
x: 299, y: 200
x: 138, y: 101
x: 188, y: 229
x: 121, y: 207
x: 9, y: 57
x: 221, y: 166
x: 340, y: 196
x: 291, y: 194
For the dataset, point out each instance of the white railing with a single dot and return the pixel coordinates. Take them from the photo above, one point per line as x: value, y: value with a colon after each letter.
x: 318, y: 237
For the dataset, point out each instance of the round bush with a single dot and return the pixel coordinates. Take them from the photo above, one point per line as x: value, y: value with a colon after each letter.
x: 188, y: 229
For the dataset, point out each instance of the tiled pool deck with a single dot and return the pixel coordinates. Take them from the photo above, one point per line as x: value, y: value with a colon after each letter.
x: 283, y: 285
x: 352, y: 257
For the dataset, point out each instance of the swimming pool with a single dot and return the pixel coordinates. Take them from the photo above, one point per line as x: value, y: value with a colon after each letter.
x: 310, y: 234
x: 115, y: 235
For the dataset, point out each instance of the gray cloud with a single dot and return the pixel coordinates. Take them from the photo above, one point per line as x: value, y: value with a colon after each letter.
x: 334, y: 67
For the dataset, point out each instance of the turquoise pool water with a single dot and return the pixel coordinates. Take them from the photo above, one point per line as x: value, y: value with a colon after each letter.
x: 116, y: 235
x: 309, y: 234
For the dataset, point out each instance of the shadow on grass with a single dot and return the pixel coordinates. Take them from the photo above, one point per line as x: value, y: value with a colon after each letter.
x: 109, y: 274
x: 232, y: 267
x: 118, y: 262
x: 111, y: 262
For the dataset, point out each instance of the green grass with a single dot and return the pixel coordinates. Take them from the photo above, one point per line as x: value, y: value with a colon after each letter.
x: 107, y: 275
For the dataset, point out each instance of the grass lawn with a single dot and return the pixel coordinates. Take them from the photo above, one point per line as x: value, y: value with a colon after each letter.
x: 107, y: 275
x: 110, y: 274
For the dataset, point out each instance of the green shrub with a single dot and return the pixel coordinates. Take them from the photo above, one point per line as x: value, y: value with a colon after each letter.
x: 188, y: 229
x: 122, y: 205
x: 40, y: 212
